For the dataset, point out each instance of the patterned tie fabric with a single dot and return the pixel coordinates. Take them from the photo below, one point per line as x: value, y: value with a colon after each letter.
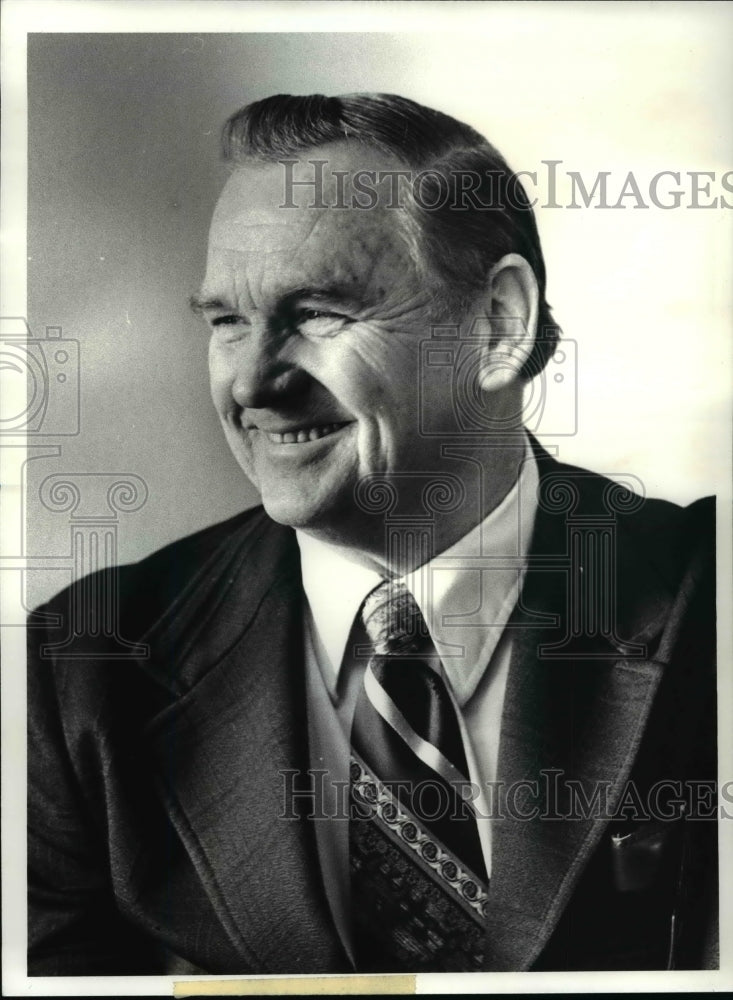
x: 418, y: 880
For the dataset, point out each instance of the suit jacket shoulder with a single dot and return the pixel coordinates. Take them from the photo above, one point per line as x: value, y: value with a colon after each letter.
x: 146, y: 588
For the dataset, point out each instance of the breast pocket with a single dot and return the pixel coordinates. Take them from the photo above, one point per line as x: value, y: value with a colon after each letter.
x: 642, y: 857
x: 646, y: 869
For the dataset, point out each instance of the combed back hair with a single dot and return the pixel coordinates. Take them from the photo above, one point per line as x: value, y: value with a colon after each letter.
x: 456, y: 243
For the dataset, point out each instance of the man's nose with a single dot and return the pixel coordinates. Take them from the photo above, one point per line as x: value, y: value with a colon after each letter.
x: 264, y: 373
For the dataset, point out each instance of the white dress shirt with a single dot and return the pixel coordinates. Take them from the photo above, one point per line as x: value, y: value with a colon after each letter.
x: 466, y: 595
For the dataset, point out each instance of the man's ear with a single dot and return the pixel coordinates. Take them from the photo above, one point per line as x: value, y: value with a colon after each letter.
x: 512, y: 297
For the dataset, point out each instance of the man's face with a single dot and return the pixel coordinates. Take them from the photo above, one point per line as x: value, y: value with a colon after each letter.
x: 316, y: 319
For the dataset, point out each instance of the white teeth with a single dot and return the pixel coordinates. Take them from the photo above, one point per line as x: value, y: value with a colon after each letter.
x: 301, y: 436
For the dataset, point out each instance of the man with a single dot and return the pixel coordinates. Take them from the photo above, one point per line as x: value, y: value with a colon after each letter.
x: 441, y: 703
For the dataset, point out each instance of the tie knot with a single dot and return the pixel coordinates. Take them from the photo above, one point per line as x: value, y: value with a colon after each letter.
x: 393, y: 620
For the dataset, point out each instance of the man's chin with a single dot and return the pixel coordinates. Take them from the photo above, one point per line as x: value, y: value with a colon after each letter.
x: 294, y: 513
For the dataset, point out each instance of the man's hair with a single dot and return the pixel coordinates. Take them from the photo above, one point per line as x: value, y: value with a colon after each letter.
x: 456, y: 243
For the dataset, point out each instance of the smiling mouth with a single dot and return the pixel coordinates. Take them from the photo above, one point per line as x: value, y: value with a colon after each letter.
x: 303, y: 435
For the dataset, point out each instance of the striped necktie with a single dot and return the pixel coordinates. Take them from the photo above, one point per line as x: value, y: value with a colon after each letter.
x: 418, y: 881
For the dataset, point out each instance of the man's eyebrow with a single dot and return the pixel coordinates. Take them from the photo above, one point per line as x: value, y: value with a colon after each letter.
x: 200, y: 303
x: 335, y: 293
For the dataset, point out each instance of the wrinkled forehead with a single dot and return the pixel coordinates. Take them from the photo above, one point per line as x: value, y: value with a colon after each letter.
x: 341, y: 187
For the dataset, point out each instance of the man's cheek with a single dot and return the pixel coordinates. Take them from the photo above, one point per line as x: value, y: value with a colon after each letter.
x: 363, y: 372
x: 218, y: 394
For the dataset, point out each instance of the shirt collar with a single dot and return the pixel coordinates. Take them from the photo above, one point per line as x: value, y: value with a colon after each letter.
x: 466, y: 594
x: 335, y: 587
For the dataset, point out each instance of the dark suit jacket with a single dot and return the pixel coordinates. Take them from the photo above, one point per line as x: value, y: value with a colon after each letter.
x: 167, y: 697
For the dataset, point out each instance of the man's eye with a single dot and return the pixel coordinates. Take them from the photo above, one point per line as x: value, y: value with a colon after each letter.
x: 319, y: 322
x: 229, y: 320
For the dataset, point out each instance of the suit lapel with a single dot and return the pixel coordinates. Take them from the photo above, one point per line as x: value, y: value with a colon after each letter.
x: 573, y: 720
x: 234, y: 645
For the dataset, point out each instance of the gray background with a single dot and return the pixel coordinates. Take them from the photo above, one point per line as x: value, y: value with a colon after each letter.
x: 124, y: 171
